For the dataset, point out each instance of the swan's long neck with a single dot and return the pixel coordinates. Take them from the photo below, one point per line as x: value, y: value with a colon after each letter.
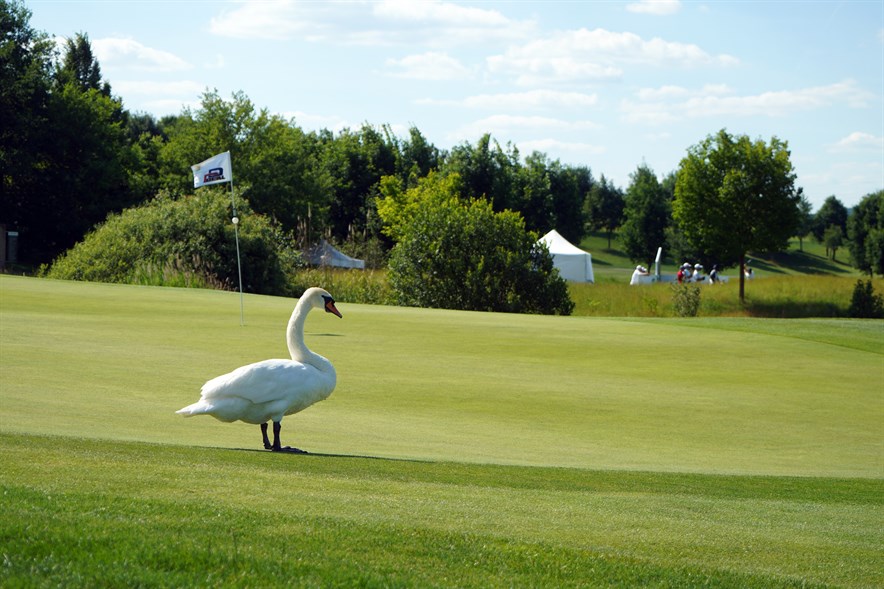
x: 294, y: 338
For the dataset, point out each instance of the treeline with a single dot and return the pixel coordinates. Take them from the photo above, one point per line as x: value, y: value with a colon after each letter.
x: 71, y: 155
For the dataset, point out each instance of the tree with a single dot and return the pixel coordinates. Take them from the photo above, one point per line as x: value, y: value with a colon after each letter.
x: 833, y: 212
x: 459, y: 254
x: 606, y: 205
x: 647, y: 214
x: 866, y: 234
x: 833, y: 238
x: 25, y: 129
x: 80, y: 67
x: 734, y: 195
x: 805, y: 221
x: 398, y: 203
x: 488, y: 171
x: 534, y: 193
x: 570, y: 187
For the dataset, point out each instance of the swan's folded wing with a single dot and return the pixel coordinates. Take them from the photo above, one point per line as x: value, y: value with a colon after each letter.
x: 263, y: 382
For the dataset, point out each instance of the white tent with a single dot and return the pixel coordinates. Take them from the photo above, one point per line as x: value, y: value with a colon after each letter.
x: 324, y: 254
x: 573, y: 263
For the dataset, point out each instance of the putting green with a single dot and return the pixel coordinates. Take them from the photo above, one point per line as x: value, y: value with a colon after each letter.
x: 798, y: 397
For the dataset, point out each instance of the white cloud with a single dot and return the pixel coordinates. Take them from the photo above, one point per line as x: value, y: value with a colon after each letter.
x: 669, y: 104
x: 657, y: 7
x: 588, y: 55
x: 444, y: 23
x: 118, y: 53
x: 429, y: 23
x: 439, y: 12
x: 429, y: 66
x: 269, y: 19
x: 533, y: 99
x: 859, y: 141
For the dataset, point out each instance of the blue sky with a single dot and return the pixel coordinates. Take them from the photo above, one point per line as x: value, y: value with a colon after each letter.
x: 609, y: 85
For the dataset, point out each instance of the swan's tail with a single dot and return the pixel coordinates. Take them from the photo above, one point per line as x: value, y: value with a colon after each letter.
x: 198, y: 408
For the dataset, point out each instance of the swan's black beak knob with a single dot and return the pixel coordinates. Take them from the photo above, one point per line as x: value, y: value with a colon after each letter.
x: 330, y: 307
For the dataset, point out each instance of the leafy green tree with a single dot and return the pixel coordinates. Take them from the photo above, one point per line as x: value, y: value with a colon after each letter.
x: 833, y: 238
x: 833, y: 212
x: 488, y: 170
x: 605, y: 204
x: 284, y: 177
x: 647, y: 214
x: 459, y: 254
x: 80, y: 67
x: 399, y: 203
x: 570, y: 188
x: 78, y: 152
x: 25, y: 132
x: 356, y: 161
x: 415, y: 156
x: 216, y: 126
x: 805, y: 220
x: 866, y: 234
x: 535, y: 198
x: 734, y: 195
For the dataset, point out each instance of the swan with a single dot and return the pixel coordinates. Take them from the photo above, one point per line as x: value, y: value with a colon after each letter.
x: 271, y: 389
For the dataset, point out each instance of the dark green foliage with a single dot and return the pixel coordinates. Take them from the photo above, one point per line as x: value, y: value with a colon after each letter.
x: 866, y: 234
x: 466, y: 256
x: 605, y: 205
x: 833, y: 212
x: 64, y: 150
x: 647, y: 214
x: 864, y: 303
x: 183, y: 242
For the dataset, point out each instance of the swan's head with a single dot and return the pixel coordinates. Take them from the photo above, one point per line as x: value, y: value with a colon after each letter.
x: 320, y: 299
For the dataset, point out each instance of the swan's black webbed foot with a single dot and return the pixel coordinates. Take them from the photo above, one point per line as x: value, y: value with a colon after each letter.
x: 276, y: 446
x: 289, y: 450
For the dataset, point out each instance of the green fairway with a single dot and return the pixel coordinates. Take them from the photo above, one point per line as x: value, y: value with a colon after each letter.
x: 477, y: 449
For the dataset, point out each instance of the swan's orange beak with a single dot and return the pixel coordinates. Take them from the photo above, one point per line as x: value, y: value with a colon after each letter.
x: 330, y: 308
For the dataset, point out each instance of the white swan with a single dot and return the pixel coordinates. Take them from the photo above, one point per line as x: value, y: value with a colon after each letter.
x: 267, y: 391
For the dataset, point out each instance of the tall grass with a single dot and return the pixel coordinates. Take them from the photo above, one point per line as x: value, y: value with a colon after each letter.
x: 772, y: 296
x: 368, y: 287
x: 784, y: 296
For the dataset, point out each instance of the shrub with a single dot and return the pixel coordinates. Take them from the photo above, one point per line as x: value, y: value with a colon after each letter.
x: 458, y: 255
x: 686, y: 299
x: 183, y: 242
x: 865, y: 303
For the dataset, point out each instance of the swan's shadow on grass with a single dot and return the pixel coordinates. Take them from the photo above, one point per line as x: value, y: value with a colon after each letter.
x: 327, y: 455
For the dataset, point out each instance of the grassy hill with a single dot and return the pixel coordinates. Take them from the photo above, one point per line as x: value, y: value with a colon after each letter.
x: 459, y: 449
x: 801, y: 282
x: 809, y: 257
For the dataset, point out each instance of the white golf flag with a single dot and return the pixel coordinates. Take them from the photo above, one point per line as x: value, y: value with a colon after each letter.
x: 214, y: 170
